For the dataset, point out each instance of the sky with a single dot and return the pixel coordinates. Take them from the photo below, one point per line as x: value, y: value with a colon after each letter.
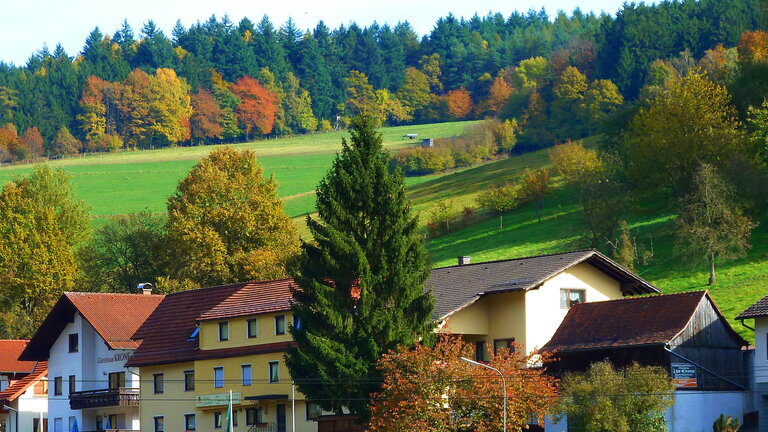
x: 26, y: 25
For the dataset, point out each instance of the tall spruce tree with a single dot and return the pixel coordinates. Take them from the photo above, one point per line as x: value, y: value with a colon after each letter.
x: 361, y: 281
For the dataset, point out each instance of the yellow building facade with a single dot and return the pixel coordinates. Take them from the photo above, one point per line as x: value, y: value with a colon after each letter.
x: 233, y: 346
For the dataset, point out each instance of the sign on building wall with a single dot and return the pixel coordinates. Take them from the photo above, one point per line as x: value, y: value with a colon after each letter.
x: 217, y: 399
x: 684, y: 375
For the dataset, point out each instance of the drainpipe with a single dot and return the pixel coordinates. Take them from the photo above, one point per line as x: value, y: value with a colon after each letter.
x: 293, y: 406
x: 742, y: 323
x: 666, y: 348
x: 16, y: 423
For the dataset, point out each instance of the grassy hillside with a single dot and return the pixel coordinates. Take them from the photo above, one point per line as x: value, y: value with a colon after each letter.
x: 124, y: 182
x: 740, y: 283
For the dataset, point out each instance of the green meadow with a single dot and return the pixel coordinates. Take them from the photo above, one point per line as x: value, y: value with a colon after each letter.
x: 131, y: 181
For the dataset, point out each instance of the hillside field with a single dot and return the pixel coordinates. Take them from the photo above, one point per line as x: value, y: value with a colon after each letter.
x: 126, y: 182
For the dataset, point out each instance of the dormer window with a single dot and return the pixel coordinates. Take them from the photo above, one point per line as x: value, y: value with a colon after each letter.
x: 570, y: 297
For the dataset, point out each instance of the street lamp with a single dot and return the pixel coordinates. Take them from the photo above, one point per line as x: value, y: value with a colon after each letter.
x: 503, y: 383
x: 16, y: 423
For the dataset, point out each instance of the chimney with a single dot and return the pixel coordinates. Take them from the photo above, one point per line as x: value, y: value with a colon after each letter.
x: 144, y: 288
x: 464, y: 260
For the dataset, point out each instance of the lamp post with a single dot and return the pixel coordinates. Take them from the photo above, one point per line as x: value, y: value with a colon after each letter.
x: 503, y: 383
x: 16, y: 423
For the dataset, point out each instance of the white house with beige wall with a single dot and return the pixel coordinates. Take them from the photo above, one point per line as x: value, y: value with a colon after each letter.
x: 524, y: 300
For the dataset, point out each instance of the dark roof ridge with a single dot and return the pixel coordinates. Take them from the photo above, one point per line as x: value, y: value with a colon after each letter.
x: 643, y: 296
x: 231, y: 285
x: 515, y: 259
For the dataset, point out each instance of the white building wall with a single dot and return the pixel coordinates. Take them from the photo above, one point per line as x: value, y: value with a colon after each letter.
x: 62, y: 363
x: 696, y: 411
x: 761, y: 350
x: 30, y: 408
x: 91, y: 366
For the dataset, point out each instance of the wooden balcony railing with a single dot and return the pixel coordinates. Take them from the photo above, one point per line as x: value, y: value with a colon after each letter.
x: 123, y: 396
x: 263, y: 427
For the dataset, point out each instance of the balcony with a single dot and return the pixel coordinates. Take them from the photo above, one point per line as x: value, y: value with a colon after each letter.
x: 123, y: 396
x: 263, y: 427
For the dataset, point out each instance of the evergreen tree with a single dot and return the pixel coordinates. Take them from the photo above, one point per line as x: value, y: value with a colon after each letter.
x: 361, y: 280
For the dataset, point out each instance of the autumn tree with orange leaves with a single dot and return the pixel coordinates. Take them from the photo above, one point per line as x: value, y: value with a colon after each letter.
x: 431, y: 390
x: 257, y: 107
x: 459, y: 103
x: 207, y: 116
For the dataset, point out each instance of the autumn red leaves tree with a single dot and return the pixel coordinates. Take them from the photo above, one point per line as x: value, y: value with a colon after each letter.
x: 430, y: 389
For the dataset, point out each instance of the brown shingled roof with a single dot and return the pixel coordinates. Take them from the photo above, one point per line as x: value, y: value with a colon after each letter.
x: 115, y: 317
x: 628, y: 322
x: 457, y: 286
x: 757, y: 310
x: 165, y: 336
x: 39, y: 370
x: 10, y: 349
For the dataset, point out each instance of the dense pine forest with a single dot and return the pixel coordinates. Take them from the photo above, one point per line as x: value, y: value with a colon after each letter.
x: 220, y: 81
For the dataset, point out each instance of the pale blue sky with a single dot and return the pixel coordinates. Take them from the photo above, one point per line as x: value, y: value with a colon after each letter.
x: 25, y: 25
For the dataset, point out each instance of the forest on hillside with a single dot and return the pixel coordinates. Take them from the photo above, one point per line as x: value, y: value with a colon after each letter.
x: 220, y: 81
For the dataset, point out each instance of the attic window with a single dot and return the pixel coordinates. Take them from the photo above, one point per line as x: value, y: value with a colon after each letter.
x: 570, y: 297
x: 194, y: 334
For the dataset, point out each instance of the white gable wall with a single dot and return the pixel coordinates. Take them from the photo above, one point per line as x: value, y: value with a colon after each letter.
x: 542, y: 305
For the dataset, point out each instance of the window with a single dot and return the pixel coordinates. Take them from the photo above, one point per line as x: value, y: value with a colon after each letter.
x: 480, y: 351
x: 234, y: 418
x: 158, y: 383
x: 296, y: 322
x: 189, y: 422
x: 218, y: 377
x: 253, y: 416
x: 224, y: 331
x: 253, y: 328
x: 217, y: 420
x: 280, y: 324
x: 73, y: 343
x: 58, y: 425
x: 570, y: 297
x: 503, y: 343
x: 71, y: 423
x: 116, y: 380
x: 72, y: 384
x: 274, y: 371
x: 36, y: 425
x: 57, y: 386
x: 159, y: 424
x: 313, y: 411
x: 112, y: 421
x: 247, y: 377
x: 189, y: 380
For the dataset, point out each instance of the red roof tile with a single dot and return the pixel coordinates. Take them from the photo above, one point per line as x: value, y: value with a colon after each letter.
x: 628, y: 322
x: 115, y: 317
x: 165, y: 336
x: 40, y: 369
x: 10, y: 349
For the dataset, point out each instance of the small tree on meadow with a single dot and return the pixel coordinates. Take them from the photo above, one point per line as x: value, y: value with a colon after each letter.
x: 498, y: 199
x: 430, y: 389
x: 604, y: 399
x: 534, y: 185
x: 710, y: 222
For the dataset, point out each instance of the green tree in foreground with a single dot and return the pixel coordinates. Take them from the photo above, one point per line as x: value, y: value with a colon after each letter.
x: 604, y: 399
x: 361, y: 281
x: 41, y: 224
x: 710, y: 222
x: 226, y: 223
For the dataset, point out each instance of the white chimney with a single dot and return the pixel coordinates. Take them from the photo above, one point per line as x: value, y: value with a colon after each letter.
x: 464, y: 260
x: 144, y: 288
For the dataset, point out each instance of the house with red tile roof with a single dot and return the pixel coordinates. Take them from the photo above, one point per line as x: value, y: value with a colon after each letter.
x: 684, y: 333
x: 16, y: 378
x: 86, y: 340
x: 757, y: 315
x: 200, y: 345
x: 25, y: 402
